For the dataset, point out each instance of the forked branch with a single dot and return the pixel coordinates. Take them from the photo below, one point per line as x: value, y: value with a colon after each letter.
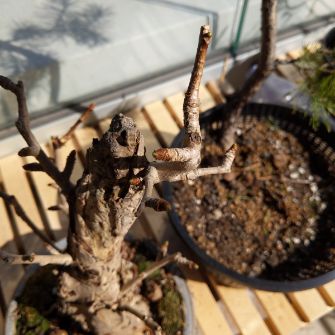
x: 176, y: 164
x: 58, y: 142
x: 34, y: 148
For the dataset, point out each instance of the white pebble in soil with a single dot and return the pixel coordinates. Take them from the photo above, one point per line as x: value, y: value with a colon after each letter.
x: 314, y: 187
x: 301, y: 170
x: 294, y: 175
x: 217, y: 214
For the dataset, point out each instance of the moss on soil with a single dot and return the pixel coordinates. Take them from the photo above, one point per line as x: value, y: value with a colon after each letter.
x: 37, y: 317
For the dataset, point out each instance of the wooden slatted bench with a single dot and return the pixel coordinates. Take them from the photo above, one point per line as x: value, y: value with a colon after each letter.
x: 219, y: 310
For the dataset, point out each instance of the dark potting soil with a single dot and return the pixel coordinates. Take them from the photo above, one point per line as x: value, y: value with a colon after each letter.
x: 273, y: 216
x: 37, y: 313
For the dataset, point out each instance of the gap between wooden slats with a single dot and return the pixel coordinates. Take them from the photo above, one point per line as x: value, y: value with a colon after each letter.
x: 327, y: 292
x: 48, y: 196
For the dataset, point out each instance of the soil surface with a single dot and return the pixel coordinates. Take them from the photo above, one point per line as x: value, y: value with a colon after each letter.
x: 37, y: 305
x: 273, y: 216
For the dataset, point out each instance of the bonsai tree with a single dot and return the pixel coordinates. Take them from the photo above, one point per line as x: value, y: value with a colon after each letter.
x: 93, y: 283
x: 238, y: 100
x: 317, y: 64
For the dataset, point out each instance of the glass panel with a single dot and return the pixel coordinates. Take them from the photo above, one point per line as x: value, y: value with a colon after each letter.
x: 67, y: 50
x: 291, y: 14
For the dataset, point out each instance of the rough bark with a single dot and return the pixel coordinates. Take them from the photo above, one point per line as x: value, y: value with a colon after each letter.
x: 238, y: 100
x: 100, y: 288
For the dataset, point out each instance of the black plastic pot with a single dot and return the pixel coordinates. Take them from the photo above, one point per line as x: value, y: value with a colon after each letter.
x: 294, y: 122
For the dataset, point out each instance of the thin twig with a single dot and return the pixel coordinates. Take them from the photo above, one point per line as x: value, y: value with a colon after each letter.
x: 12, y: 201
x: 63, y: 259
x: 58, y: 142
x: 34, y: 148
x: 176, y: 257
x: 148, y: 320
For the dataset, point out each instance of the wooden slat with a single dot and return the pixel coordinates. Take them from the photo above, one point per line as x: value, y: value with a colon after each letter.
x: 289, y: 71
x: 10, y: 275
x: 247, y: 317
x: 327, y: 291
x: 16, y: 183
x: 162, y: 121
x: 294, y: 54
x: 282, y: 317
x: 309, y: 304
x: 207, y: 311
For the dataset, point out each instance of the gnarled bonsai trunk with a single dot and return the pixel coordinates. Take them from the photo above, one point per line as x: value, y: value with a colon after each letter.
x: 103, y: 207
x: 98, y: 287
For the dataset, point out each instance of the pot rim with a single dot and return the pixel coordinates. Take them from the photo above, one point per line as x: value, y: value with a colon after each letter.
x: 293, y: 115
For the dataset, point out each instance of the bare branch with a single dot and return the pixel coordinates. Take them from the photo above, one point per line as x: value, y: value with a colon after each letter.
x: 34, y: 148
x: 176, y: 257
x: 191, y: 101
x: 264, y: 68
x: 175, y: 154
x: 11, y: 200
x: 148, y: 320
x: 58, y: 142
x: 70, y: 161
x: 192, y: 142
x: 63, y: 259
x: 33, y: 167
